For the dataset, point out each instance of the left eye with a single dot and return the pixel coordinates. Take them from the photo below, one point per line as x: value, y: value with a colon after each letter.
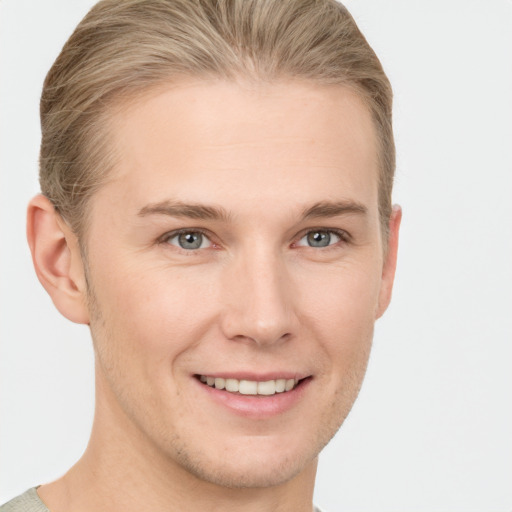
x: 189, y: 240
x: 319, y: 238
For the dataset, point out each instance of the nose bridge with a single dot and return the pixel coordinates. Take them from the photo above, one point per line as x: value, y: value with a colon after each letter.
x: 259, y: 299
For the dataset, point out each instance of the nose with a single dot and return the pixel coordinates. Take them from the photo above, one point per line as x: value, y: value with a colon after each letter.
x: 258, y: 300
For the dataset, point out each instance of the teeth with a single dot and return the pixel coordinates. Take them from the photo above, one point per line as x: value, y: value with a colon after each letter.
x: 250, y: 387
x: 232, y: 385
x: 289, y: 384
x: 267, y: 388
x: 280, y: 385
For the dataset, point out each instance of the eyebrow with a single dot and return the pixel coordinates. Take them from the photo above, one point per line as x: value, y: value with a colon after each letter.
x: 189, y: 210
x: 334, y: 209
x: 200, y: 211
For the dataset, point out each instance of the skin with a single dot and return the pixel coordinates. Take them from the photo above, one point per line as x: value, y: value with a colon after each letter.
x: 272, y: 163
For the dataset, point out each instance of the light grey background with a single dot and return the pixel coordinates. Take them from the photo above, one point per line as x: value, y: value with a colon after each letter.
x: 432, y: 429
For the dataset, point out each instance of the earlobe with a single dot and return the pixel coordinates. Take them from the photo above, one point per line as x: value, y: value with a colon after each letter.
x: 389, y: 267
x: 57, y: 259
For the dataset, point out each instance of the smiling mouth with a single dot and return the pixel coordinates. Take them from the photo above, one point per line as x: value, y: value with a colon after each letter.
x: 250, y: 387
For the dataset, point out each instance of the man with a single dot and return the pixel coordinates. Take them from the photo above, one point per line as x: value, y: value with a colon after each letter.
x: 216, y: 205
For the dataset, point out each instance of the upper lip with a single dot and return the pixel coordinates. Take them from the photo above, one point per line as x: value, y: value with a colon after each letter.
x: 258, y: 377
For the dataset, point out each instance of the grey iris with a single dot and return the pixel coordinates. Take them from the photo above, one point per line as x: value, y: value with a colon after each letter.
x: 190, y: 240
x: 319, y: 238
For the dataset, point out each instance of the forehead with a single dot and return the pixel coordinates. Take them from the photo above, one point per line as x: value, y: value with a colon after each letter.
x: 230, y: 143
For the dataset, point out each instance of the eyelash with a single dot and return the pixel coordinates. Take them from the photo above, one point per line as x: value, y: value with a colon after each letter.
x: 164, y: 239
x: 344, y: 236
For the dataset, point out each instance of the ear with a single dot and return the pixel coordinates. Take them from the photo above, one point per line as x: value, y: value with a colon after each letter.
x: 389, y: 266
x: 57, y: 259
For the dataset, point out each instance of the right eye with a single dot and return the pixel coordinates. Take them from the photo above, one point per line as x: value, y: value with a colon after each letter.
x: 189, y: 240
x: 321, y: 238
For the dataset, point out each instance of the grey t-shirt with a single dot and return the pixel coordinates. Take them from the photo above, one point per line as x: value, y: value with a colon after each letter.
x: 30, y: 502
x: 27, y: 502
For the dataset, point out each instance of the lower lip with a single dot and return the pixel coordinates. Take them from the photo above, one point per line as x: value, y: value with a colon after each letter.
x: 257, y: 406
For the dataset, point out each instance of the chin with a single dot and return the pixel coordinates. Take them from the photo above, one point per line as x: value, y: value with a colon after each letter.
x: 254, y: 463
x: 249, y: 474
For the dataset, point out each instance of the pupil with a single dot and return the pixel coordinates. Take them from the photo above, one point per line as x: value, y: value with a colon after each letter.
x: 190, y: 240
x: 319, y: 239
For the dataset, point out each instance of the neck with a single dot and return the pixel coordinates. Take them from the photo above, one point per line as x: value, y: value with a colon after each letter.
x: 121, y: 471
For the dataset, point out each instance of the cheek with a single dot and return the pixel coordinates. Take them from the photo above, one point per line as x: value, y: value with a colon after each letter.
x: 150, y: 317
x: 345, y: 297
x: 340, y: 309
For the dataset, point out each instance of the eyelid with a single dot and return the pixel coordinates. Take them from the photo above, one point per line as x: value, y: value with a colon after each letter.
x: 344, y: 236
x: 164, y: 239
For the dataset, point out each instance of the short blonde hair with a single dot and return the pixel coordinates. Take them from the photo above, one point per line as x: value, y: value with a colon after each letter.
x: 123, y: 47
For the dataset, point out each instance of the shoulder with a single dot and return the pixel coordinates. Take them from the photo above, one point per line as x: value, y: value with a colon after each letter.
x: 26, y: 502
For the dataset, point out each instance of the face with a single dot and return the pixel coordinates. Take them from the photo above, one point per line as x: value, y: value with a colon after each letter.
x: 235, y: 265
